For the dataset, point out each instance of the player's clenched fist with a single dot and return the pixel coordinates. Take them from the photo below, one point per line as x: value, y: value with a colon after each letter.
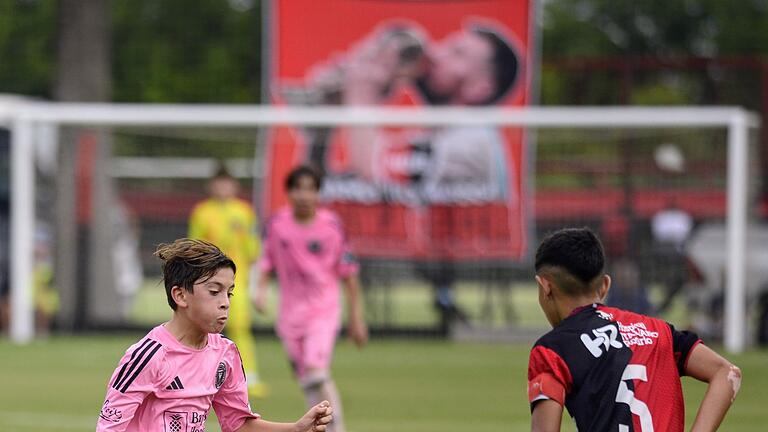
x: 316, y: 419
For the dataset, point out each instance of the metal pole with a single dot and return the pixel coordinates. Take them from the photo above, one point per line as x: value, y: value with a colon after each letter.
x: 22, y: 230
x: 735, y: 328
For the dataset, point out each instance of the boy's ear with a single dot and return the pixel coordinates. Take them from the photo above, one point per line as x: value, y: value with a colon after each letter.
x: 179, y: 295
x: 605, y: 286
x: 544, y: 285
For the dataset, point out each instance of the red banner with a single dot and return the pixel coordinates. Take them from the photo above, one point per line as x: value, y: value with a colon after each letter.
x: 432, y: 193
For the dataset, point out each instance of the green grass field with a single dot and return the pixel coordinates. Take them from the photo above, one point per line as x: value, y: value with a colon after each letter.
x: 392, y: 385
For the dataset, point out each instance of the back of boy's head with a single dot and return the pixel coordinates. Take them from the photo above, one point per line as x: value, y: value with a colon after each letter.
x: 221, y: 172
x: 573, y: 259
x: 186, y: 261
x: 292, y: 180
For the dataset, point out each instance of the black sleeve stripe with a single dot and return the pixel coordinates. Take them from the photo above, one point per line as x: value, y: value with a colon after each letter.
x: 683, y: 342
x: 125, y: 365
x: 135, y: 362
x: 138, y: 371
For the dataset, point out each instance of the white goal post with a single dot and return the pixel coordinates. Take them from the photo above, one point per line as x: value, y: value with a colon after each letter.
x: 24, y: 118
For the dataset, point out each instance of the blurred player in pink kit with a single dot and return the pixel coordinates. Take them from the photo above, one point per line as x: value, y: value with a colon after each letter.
x: 170, y: 379
x: 305, y: 246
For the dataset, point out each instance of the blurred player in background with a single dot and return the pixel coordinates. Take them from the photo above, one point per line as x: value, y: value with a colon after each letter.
x: 230, y: 223
x: 305, y: 247
x: 612, y: 369
x: 170, y: 379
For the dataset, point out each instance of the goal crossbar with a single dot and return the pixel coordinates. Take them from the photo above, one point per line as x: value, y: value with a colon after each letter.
x: 23, y: 117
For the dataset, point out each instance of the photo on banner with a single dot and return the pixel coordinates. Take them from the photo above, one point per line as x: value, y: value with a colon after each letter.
x: 446, y: 193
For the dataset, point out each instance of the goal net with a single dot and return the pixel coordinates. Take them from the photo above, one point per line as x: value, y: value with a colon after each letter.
x: 442, y: 207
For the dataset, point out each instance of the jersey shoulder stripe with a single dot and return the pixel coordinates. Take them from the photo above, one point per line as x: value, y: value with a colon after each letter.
x: 137, y: 362
x: 122, y: 372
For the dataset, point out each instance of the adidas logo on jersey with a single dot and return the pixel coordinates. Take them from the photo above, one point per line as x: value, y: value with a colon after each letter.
x: 175, y: 384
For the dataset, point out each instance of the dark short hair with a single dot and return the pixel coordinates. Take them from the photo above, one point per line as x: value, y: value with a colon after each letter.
x: 292, y: 180
x: 186, y: 261
x: 222, y: 172
x: 574, y: 258
x: 504, y: 63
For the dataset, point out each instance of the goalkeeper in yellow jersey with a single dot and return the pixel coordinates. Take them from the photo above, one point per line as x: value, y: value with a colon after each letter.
x: 230, y: 223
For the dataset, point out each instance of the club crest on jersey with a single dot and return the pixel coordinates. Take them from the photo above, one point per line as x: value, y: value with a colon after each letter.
x: 314, y: 246
x: 605, y: 337
x: 221, y: 374
x: 605, y: 315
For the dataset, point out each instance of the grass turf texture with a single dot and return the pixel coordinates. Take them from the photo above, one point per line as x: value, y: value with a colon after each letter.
x: 393, y: 385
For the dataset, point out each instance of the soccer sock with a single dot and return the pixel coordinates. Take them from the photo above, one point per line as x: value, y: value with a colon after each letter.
x: 318, y: 386
x: 332, y: 394
x: 312, y: 385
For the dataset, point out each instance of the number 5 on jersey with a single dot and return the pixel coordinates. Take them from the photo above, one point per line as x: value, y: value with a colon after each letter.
x: 627, y: 396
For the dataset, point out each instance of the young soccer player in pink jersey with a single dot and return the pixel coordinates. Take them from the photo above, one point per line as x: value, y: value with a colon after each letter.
x: 170, y: 379
x: 305, y: 246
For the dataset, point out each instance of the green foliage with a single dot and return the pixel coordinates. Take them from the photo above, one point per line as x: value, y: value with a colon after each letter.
x: 654, y: 29
x: 186, y: 52
x: 210, y: 51
x: 162, y: 51
x: 27, y: 51
x: 660, y: 28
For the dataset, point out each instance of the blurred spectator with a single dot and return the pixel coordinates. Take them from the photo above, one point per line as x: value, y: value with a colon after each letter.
x: 129, y: 274
x: 46, y: 298
x: 627, y: 291
x: 670, y: 227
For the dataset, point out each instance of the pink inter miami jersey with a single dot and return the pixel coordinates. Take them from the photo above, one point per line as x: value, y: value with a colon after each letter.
x: 162, y: 385
x: 309, y: 261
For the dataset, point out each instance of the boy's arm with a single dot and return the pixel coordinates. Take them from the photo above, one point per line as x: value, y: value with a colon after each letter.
x: 315, y: 420
x: 260, y: 274
x: 134, y: 378
x: 358, y: 331
x: 724, y: 380
x: 546, y: 416
x: 260, y: 289
x: 549, y: 380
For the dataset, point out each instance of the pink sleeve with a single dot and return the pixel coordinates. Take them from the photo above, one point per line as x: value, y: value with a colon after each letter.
x: 346, y: 264
x: 266, y: 263
x: 135, y: 378
x: 231, y: 402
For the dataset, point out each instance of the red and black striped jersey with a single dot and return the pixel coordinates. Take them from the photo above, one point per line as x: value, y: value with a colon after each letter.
x: 613, y: 370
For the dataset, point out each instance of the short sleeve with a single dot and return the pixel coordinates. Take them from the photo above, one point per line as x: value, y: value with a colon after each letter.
x: 347, y: 265
x: 136, y: 377
x: 548, y: 376
x: 346, y: 262
x: 231, y: 402
x: 683, y: 343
